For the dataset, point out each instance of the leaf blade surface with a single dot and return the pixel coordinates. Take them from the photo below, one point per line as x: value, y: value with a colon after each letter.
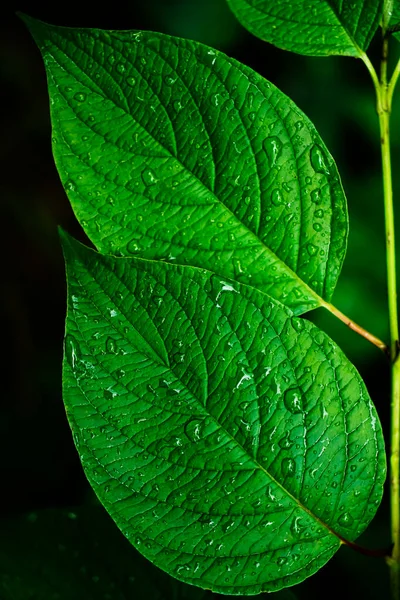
x: 316, y: 28
x: 222, y: 457
x: 394, y: 19
x: 170, y: 150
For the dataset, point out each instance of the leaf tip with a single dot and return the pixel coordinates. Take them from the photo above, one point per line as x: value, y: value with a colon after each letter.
x: 36, y: 27
x: 68, y: 243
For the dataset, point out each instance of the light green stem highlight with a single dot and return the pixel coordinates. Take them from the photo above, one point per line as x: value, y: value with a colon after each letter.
x: 355, y: 327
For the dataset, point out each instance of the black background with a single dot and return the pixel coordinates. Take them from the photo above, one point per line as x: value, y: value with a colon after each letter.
x: 39, y: 466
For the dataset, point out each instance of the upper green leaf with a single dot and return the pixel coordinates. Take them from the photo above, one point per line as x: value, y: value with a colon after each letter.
x: 234, y: 446
x: 171, y: 150
x: 313, y: 27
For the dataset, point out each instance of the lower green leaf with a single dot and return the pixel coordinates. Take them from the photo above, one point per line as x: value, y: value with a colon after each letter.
x: 234, y: 445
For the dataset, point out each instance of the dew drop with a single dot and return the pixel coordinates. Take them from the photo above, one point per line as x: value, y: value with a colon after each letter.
x: 316, y: 196
x: 319, y: 213
x: 168, y: 80
x: 227, y: 526
x: 111, y: 345
x: 80, y: 97
x: 298, y: 324
x: 286, y: 187
x: 69, y: 185
x: 149, y: 177
x: 121, y: 68
x: 131, y: 81
x: 72, y: 350
x: 281, y: 561
x: 285, y: 443
x: 288, y: 467
x: 133, y: 247
x: 276, y: 197
x: 317, y: 226
x: 215, y: 99
x: 108, y: 394
x: 270, y: 495
x: 311, y: 249
x: 177, y: 105
x: 296, y: 528
x: 193, y: 429
x: 273, y: 147
x: 346, y: 520
x: 293, y: 401
x: 318, y: 160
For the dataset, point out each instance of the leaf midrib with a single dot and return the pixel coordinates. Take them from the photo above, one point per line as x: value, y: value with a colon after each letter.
x: 320, y: 301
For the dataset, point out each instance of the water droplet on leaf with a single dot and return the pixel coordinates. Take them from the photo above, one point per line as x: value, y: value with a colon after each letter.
x: 298, y: 324
x: 288, y: 467
x: 273, y: 147
x: 311, y: 249
x: 111, y: 345
x: 285, y: 443
x: 318, y: 160
x: 316, y: 196
x: 276, y: 197
x: 346, y: 520
x: 149, y: 177
x: 293, y: 401
x: 80, y: 97
x: 296, y: 528
x: 193, y: 429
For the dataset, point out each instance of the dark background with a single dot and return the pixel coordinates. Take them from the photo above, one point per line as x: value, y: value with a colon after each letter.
x: 39, y: 467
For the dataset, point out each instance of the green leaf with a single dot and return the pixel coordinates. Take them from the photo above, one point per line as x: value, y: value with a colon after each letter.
x: 170, y: 150
x: 313, y: 27
x: 234, y: 445
x: 394, y: 18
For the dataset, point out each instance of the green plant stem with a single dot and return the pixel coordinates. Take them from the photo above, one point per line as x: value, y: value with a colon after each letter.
x: 384, y: 100
x: 357, y: 328
x: 384, y: 95
x: 384, y: 119
x: 389, y: 225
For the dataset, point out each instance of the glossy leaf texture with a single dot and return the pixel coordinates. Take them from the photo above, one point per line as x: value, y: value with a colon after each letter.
x: 233, y: 445
x: 170, y: 150
x: 395, y: 18
x: 312, y: 27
